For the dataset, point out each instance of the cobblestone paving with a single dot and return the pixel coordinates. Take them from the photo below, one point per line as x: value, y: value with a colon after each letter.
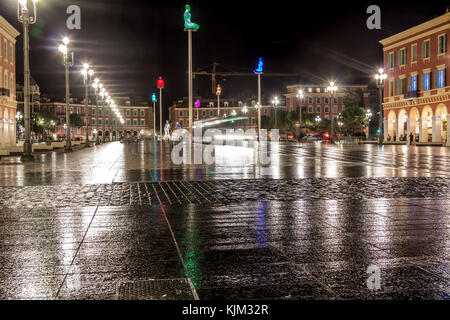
x: 223, y: 191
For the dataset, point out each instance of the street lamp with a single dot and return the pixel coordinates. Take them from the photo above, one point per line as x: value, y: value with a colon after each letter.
x: 68, y: 62
x: 259, y: 71
x: 87, y: 76
x: 300, y: 97
x: 275, y: 102
x: 160, y: 85
x: 381, y: 77
x: 218, y: 93
x: 332, y: 89
x: 19, y: 117
x: 154, y: 100
x: 23, y: 15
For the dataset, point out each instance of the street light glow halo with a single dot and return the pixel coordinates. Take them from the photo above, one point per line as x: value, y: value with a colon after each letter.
x: 66, y: 40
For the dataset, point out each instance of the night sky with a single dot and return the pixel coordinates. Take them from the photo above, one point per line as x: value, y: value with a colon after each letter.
x: 130, y: 43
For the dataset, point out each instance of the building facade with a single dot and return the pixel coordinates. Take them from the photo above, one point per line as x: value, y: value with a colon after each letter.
x: 8, y: 104
x: 417, y: 92
x: 179, y: 111
x: 101, y: 120
x: 317, y: 99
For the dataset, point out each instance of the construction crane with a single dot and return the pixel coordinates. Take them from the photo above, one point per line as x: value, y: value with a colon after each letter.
x: 214, y: 74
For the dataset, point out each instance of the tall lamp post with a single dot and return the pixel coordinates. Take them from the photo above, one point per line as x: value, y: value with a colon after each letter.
x: 300, y: 97
x: 218, y: 93
x: 160, y: 84
x: 68, y: 62
x: 154, y: 100
x: 332, y: 89
x: 108, y: 101
x: 96, y: 85
x: 87, y: 75
x: 190, y: 27
x: 23, y: 15
x: 259, y: 71
x: 275, y: 102
x: 380, y: 77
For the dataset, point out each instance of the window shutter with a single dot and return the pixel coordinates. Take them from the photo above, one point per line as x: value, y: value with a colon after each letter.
x: 398, y: 87
x: 443, y: 76
x: 389, y: 60
x: 445, y: 46
x: 423, y: 49
x: 399, y: 57
x: 393, y: 59
x: 409, y: 84
x: 436, y: 77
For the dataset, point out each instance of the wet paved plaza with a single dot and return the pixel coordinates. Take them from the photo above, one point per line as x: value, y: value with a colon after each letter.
x: 88, y: 224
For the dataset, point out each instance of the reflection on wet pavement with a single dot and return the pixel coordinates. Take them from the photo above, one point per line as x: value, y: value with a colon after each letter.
x: 305, y: 227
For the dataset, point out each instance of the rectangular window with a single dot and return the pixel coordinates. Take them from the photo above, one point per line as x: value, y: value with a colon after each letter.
x: 128, y: 122
x: 426, y: 82
x: 142, y: 113
x: 439, y: 81
x: 99, y: 121
x: 78, y: 130
x: 106, y: 121
x: 93, y: 111
x: 211, y: 113
x: 318, y: 109
x: 142, y: 122
x: 335, y: 109
x: 11, y: 85
x: 401, y: 86
x: 442, y: 44
x: 326, y: 100
x: 135, y: 122
x: 327, y: 110
x: 78, y: 110
x: 335, y: 100
x: 180, y: 113
x: 181, y: 122
x: 426, y: 49
x: 203, y: 113
x: 5, y: 51
x: 414, y: 52
x: 99, y: 112
x: 127, y: 112
x: 310, y: 100
x: 11, y: 53
x: 402, y: 57
x: 391, y: 88
x: 412, y: 83
x: 391, y: 60
x: 135, y: 113
x: 94, y: 121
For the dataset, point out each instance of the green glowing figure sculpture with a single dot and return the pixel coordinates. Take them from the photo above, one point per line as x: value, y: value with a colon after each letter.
x: 188, y: 24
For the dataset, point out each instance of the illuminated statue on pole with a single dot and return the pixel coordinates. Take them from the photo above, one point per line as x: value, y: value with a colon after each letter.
x: 188, y: 24
x: 260, y: 66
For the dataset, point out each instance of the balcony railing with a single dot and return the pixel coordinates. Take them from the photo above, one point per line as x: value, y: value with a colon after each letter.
x: 4, y: 92
x: 411, y: 94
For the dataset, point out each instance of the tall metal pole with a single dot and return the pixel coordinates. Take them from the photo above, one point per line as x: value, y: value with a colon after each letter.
x: 331, y: 116
x: 190, y: 86
x: 103, y: 117
x: 27, y: 146
x: 160, y: 112
x: 218, y: 104
x: 68, y: 141
x: 259, y: 104
x: 154, y: 119
x: 86, y: 110
x: 380, y: 126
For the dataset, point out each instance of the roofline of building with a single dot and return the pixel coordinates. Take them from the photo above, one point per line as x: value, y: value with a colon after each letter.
x: 416, y: 29
x: 326, y: 85
x: 8, y: 27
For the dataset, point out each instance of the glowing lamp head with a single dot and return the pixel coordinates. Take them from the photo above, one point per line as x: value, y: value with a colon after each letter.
x: 154, y: 98
x: 84, y: 72
x: 91, y: 73
x: 62, y: 48
x: 86, y: 66
x: 66, y: 40
x: 23, y: 2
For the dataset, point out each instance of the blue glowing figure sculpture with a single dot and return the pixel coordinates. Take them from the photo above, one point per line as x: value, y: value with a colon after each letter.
x: 260, y: 66
x: 154, y: 98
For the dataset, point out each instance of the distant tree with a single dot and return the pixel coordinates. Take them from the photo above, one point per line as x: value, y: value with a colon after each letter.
x: 43, y: 122
x: 354, y: 98
x: 354, y: 119
x: 76, y: 121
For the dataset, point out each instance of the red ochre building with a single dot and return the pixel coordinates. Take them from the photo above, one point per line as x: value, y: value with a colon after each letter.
x: 417, y: 92
x: 8, y: 102
x: 179, y: 111
x: 138, y: 119
x: 317, y: 99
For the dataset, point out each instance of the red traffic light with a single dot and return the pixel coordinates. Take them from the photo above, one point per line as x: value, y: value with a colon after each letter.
x: 160, y: 83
